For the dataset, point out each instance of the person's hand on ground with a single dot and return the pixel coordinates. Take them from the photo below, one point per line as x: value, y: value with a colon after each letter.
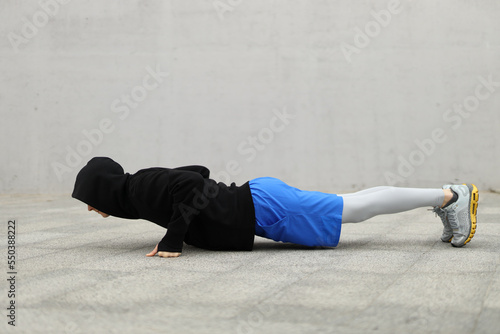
x: 163, y: 254
x: 168, y: 254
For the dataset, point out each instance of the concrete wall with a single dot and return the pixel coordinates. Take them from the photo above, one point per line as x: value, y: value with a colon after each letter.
x: 327, y: 95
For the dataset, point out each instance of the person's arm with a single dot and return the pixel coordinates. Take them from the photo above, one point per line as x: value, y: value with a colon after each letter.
x: 203, y: 171
x: 184, y: 188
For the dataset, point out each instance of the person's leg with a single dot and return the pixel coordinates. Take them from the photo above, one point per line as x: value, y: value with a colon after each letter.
x: 456, y: 205
x: 363, y: 192
x: 363, y: 205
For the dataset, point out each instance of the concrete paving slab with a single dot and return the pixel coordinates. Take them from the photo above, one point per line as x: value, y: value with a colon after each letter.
x: 79, y: 273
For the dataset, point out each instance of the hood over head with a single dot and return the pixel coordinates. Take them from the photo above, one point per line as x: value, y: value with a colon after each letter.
x: 102, y: 184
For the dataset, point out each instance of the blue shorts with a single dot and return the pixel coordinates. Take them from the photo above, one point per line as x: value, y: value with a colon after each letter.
x: 284, y: 213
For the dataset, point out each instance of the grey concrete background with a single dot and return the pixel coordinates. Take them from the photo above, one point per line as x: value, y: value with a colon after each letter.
x: 80, y: 273
x: 362, y: 116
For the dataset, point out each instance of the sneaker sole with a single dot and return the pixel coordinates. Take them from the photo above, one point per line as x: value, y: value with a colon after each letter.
x: 473, y: 203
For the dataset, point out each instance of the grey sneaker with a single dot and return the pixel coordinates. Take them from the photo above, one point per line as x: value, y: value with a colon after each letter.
x: 462, y: 214
x: 447, y: 230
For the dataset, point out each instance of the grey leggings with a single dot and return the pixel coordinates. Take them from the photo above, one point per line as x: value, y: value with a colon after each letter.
x: 371, y: 202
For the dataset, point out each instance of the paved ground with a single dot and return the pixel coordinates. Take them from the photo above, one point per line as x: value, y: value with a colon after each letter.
x: 79, y: 273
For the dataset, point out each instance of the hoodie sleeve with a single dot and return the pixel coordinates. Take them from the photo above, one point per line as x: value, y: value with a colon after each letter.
x: 185, y: 191
x: 203, y: 171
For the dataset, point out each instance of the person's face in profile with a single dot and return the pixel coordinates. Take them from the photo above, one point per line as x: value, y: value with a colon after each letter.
x: 99, y: 212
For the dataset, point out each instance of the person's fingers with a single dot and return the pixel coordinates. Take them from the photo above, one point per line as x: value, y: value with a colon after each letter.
x: 153, y: 252
x: 168, y: 254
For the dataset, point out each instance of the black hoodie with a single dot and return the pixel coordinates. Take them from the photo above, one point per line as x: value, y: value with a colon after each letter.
x: 192, y: 207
